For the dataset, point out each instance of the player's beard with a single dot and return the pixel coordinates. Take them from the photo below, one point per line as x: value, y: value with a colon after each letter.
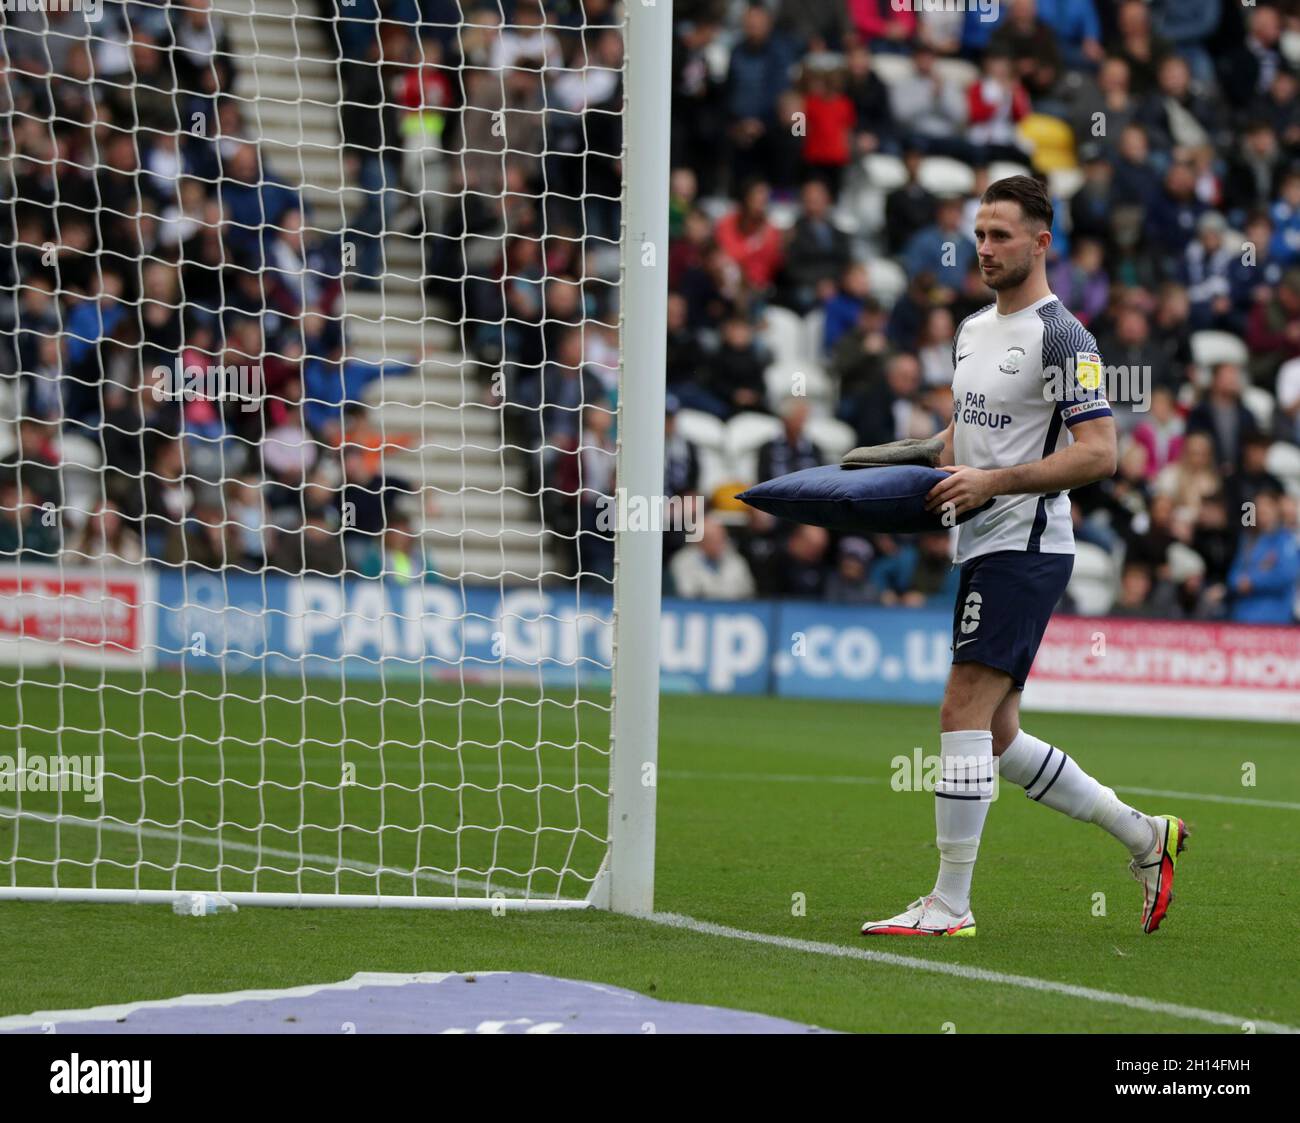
x: 1010, y: 275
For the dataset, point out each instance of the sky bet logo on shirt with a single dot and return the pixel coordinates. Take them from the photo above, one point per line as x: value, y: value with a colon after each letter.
x: 973, y: 411
x: 1087, y: 369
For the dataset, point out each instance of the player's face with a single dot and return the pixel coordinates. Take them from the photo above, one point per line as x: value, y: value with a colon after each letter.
x: 1006, y: 243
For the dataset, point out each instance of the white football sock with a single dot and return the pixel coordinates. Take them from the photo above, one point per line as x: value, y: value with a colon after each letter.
x: 1052, y: 778
x: 961, y: 804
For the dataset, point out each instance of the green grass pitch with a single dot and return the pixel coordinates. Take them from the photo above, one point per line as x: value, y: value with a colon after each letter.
x: 763, y: 802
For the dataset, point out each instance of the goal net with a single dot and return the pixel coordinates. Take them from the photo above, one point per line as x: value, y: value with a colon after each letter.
x: 313, y: 398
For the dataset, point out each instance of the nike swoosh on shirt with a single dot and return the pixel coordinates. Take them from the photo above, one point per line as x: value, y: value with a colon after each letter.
x: 965, y: 356
x: 965, y: 641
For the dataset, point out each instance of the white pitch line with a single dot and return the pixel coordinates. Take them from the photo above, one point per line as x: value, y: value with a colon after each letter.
x: 1239, y: 800
x: 762, y: 777
x: 974, y: 974
x: 328, y: 860
x: 708, y: 928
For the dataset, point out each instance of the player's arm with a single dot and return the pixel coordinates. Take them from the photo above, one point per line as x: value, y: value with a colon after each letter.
x: 1092, y: 456
x: 946, y: 459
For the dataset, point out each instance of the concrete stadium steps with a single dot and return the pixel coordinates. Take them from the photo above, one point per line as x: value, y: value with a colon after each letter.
x: 289, y: 86
x: 476, y: 520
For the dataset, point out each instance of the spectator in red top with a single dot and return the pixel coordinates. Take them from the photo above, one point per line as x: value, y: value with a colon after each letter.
x: 884, y: 27
x: 747, y: 237
x: 1160, y: 433
x: 996, y: 101
x: 830, y: 120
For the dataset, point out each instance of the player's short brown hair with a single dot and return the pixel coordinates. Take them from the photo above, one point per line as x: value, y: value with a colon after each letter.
x: 1025, y: 190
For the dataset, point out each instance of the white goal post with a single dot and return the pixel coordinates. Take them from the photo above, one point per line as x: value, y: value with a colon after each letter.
x: 301, y: 601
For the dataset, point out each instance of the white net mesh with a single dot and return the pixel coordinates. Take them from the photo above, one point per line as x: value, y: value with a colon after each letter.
x: 309, y: 341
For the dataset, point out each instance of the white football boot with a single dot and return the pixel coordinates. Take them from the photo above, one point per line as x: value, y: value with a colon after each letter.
x: 926, y: 916
x: 1154, y: 871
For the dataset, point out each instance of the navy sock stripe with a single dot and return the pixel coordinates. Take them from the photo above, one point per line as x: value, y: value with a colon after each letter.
x: 1064, y: 760
x: 1050, y: 749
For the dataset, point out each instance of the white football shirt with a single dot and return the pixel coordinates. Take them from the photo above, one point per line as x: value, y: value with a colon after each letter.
x: 1020, y: 382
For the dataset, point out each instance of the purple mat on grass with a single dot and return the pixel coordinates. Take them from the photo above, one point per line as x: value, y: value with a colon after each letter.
x: 491, y: 1002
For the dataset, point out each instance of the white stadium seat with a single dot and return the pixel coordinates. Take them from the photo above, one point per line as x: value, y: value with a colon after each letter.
x: 1064, y: 183
x: 1184, y: 562
x: 746, y: 434
x: 1005, y: 169
x: 814, y: 330
x: 709, y: 436
x: 884, y: 172
x: 807, y: 379
x: 1283, y: 461
x: 944, y: 176
x: 1260, y: 402
x: 956, y: 70
x: 888, y: 281
x: 702, y: 429
x: 833, y: 437
x: 1092, y: 584
x: 865, y: 203
x: 783, y: 332
x: 1211, y: 347
x: 892, y: 68
x: 782, y: 215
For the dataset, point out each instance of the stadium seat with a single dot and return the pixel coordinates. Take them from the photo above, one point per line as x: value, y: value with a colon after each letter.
x: 956, y: 70
x: 833, y: 437
x: 1283, y: 460
x: 1050, y: 141
x: 715, y: 206
x: 1092, y: 584
x: 865, y: 203
x: 1211, y: 347
x: 943, y: 176
x: 782, y: 215
x: 1004, y: 169
x: 1183, y: 562
x: 780, y: 380
x: 1064, y: 183
x: 1260, y: 403
x: 884, y: 172
x: 83, y: 482
x: 709, y: 436
x: 892, y: 68
x: 814, y: 330
x: 746, y: 434
x: 783, y: 332
x: 888, y: 281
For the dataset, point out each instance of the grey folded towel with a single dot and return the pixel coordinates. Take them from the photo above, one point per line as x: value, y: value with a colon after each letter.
x: 913, y: 450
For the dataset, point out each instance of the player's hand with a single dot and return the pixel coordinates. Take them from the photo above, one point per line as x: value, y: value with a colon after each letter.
x: 965, y: 488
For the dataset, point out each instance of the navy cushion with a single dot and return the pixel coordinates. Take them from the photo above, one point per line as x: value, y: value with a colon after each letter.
x: 889, y: 499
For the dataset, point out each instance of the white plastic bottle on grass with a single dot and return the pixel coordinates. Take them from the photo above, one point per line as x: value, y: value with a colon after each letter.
x: 202, y: 904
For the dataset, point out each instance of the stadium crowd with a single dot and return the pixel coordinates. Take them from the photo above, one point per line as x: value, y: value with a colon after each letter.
x: 176, y: 382
x: 827, y: 157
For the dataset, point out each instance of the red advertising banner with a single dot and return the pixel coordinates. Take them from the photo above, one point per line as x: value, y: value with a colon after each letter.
x: 1168, y: 668
x: 91, y: 617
